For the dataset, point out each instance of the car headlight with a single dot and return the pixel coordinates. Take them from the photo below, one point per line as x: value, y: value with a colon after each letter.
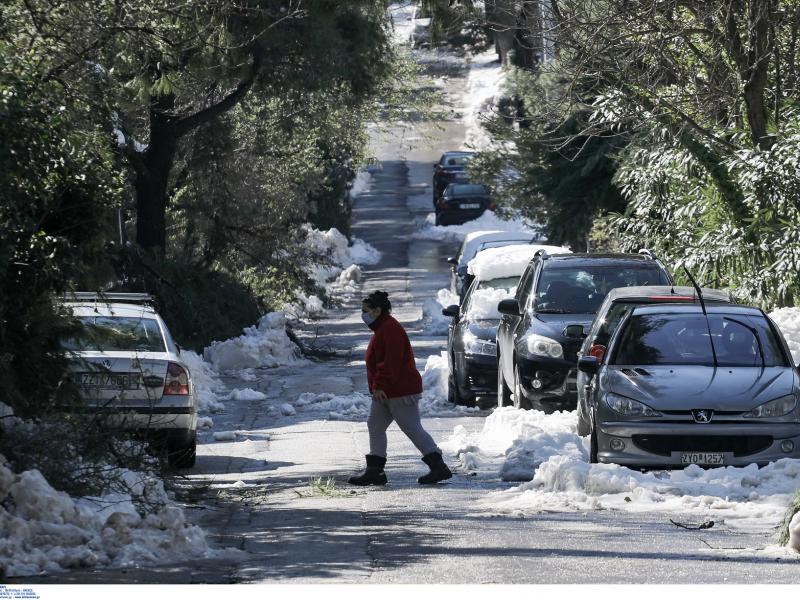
x: 475, y: 345
x: 544, y: 346
x: 629, y: 408
x: 774, y: 408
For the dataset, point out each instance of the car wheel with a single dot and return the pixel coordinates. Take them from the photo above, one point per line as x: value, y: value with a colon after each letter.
x: 182, y: 450
x: 452, y: 392
x: 520, y: 401
x: 503, y: 393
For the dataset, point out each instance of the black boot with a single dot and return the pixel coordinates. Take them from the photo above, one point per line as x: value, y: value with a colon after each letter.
x: 374, y: 474
x: 439, y: 470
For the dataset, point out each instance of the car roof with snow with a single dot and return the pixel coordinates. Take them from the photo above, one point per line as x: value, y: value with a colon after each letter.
x: 474, y: 239
x: 664, y: 292
x: 506, y: 261
x: 111, y: 309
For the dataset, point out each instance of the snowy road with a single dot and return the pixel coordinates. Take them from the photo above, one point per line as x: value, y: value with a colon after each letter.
x: 252, y: 493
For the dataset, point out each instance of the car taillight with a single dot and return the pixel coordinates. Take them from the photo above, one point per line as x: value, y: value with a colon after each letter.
x: 597, y: 350
x: 444, y: 205
x: 177, y: 382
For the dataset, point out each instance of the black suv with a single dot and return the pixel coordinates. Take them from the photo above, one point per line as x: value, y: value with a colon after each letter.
x: 536, y: 349
x: 449, y: 169
x: 462, y: 202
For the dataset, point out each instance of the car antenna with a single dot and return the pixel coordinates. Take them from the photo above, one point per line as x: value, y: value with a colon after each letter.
x: 703, y: 306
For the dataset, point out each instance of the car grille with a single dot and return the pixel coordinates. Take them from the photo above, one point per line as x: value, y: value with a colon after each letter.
x: 665, y: 445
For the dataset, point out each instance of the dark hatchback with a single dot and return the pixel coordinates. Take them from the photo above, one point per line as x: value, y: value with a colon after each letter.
x: 678, y: 388
x: 461, y: 203
x: 471, y: 346
x: 451, y: 168
x: 537, y: 360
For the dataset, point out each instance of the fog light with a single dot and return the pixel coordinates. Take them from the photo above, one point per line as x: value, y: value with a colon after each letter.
x: 617, y: 444
x: 787, y: 445
x: 537, y: 385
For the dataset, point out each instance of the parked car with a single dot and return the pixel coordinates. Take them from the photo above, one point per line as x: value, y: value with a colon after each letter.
x: 677, y: 387
x: 475, y: 242
x: 471, y: 340
x: 536, y: 358
x: 451, y: 168
x: 462, y: 202
x: 126, y: 368
x: 618, y: 303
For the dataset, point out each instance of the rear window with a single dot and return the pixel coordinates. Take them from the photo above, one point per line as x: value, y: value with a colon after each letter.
x: 456, y: 161
x: 467, y: 189
x: 108, y: 334
x: 683, y: 339
x: 581, y: 290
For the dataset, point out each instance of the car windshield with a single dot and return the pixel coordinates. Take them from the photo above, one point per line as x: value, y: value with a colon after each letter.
x: 105, y: 334
x: 583, y: 289
x: 467, y: 189
x: 501, y: 283
x: 683, y: 339
x: 482, y: 304
x: 457, y: 161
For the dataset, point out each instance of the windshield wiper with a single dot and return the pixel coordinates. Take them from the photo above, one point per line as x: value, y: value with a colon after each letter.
x: 551, y: 311
x: 754, y: 331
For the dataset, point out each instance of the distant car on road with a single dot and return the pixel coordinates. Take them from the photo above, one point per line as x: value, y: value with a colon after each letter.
x: 537, y: 359
x: 475, y: 242
x: 126, y: 368
x: 677, y: 388
x: 618, y: 303
x: 462, y: 202
x: 451, y: 168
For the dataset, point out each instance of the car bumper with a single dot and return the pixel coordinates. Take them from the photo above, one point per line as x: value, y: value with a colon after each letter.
x: 457, y: 216
x: 131, y: 418
x: 477, y: 375
x: 550, y: 383
x: 663, y: 444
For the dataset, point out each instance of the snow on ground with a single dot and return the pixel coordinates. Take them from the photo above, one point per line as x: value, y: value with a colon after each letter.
x: 404, y: 21
x: 484, y: 89
x: 42, y: 529
x: 263, y: 345
x: 488, y: 221
x: 435, y: 322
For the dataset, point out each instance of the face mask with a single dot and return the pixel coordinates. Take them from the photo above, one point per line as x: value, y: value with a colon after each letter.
x: 367, y: 318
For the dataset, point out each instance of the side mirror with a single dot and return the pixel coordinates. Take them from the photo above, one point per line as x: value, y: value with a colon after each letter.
x: 588, y: 364
x: 509, y: 307
x: 451, y: 311
x: 453, y: 261
x: 574, y: 331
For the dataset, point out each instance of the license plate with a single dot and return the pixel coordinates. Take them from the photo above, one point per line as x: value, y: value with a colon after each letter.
x: 470, y: 206
x: 462, y: 176
x: 702, y: 458
x: 109, y: 381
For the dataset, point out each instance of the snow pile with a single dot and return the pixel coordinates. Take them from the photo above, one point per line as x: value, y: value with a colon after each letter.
x: 486, y: 78
x: 353, y: 406
x: 264, y: 345
x: 794, y: 533
x: 360, y: 184
x: 436, y: 322
x: 205, y: 379
x: 362, y: 253
x: 246, y: 394
x: 486, y: 222
x: 42, y: 529
x: 332, y: 246
x: 403, y: 15
x: 434, y: 385
x: 517, y: 444
x: 483, y: 303
x: 788, y: 320
x: 507, y: 261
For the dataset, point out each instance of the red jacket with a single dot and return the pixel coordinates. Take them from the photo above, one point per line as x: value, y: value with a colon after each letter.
x: 390, y: 359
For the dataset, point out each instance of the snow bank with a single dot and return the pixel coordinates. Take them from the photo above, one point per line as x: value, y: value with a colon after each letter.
x: 264, y: 345
x: 507, y: 261
x: 246, y: 394
x: 435, y: 322
x: 362, y: 253
x: 484, y: 85
x: 42, y: 529
x: 546, y: 449
x: 207, y: 385
x: 794, y: 533
x: 434, y: 401
x: 788, y: 320
x: 488, y: 221
x: 360, y: 184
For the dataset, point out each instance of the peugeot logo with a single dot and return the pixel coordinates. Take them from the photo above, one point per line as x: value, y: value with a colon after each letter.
x: 702, y: 415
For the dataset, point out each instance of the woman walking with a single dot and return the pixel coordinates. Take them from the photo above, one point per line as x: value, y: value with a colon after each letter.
x: 396, y: 387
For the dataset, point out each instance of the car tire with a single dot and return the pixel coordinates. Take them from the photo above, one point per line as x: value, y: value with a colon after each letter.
x: 453, y: 397
x: 503, y: 392
x: 520, y: 401
x: 182, y: 450
x: 593, y: 447
x: 438, y: 220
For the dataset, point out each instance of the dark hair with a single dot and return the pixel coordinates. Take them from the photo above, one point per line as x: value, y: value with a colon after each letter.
x: 380, y: 300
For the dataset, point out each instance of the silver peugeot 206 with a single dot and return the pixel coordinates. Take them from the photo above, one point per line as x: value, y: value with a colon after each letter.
x: 688, y: 384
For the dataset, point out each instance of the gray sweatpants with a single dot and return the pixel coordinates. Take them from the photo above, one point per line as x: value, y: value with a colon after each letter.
x: 404, y: 410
